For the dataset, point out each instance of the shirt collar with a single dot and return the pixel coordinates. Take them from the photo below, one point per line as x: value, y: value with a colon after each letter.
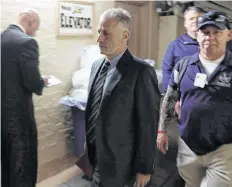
x: 114, y: 61
x: 188, y: 40
x: 226, y: 61
x: 21, y: 27
x: 194, y: 59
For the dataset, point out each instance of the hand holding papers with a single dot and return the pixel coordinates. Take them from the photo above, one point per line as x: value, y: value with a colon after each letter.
x: 52, y: 81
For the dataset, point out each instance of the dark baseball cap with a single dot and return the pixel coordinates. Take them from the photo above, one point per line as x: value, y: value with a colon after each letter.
x: 214, y: 18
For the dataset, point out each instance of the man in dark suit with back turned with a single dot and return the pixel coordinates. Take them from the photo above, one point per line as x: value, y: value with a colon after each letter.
x: 20, y: 78
x: 123, y: 109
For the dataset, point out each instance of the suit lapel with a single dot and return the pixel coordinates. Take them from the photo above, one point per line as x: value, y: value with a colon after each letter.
x: 117, y: 75
x: 94, y: 73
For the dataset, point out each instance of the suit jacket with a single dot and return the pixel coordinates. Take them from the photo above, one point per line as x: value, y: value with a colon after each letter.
x: 20, y: 71
x: 20, y: 77
x: 229, y: 45
x: 127, y: 124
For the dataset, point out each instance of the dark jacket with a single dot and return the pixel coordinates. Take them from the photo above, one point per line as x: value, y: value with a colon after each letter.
x: 229, y: 45
x: 20, y: 77
x: 127, y: 124
x: 177, y: 49
x: 206, y: 121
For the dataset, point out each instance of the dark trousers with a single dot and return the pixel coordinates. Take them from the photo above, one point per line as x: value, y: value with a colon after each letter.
x: 176, y: 181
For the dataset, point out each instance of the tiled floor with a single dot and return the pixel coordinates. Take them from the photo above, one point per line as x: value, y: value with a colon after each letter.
x: 75, y: 182
x: 58, y: 179
x: 55, y: 167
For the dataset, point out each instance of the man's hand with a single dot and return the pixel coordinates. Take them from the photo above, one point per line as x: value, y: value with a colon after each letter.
x: 45, y: 79
x: 162, y: 142
x: 142, y: 180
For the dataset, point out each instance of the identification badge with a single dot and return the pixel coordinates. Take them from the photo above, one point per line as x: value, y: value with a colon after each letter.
x: 200, y: 80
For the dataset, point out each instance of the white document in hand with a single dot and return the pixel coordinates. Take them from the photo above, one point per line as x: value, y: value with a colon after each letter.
x: 52, y: 81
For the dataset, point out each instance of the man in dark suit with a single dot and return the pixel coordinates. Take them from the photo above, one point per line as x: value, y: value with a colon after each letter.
x: 123, y: 109
x: 20, y: 78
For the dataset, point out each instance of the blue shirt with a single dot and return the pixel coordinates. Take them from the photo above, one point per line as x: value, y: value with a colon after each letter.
x: 113, y: 63
x: 206, y: 113
x: 177, y: 49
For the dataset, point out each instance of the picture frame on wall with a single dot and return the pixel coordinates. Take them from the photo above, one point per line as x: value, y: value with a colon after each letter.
x: 75, y: 18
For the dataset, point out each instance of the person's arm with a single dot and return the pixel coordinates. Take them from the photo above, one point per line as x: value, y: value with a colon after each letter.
x: 147, y: 106
x: 167, y: 110
x: 170, y: 105
x: 167, y: 66
x: 29, y: 66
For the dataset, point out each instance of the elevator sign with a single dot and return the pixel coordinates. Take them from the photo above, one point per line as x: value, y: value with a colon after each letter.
x: 75, y: 19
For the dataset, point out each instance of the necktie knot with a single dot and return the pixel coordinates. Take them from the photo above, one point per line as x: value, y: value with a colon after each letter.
x: 105, y: 67
x: 107, y: 64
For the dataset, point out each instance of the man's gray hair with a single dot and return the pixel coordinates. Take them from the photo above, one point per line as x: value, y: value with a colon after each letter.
x: 194, y: 8
x: 119, y: 14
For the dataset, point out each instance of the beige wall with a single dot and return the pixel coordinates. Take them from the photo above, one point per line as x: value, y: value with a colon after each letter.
x: 145, y: 31
x: 144, y: 34
x: 181, y: 29
x: 149, y: 31
x: 59, y: 57
x: 170, y: 27
x: 167, y: 33
x: 154, y: 40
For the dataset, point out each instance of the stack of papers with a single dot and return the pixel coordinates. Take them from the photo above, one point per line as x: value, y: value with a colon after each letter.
x: 52, y: 81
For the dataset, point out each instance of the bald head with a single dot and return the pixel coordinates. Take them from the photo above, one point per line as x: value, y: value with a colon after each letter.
x: 30, y: 20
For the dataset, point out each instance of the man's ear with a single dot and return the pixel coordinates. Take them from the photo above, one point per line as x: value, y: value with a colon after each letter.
x: 126, y: 36
x: 230, y: 34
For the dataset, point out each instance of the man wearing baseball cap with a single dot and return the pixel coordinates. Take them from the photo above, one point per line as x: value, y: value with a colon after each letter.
x: 205, y: 124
